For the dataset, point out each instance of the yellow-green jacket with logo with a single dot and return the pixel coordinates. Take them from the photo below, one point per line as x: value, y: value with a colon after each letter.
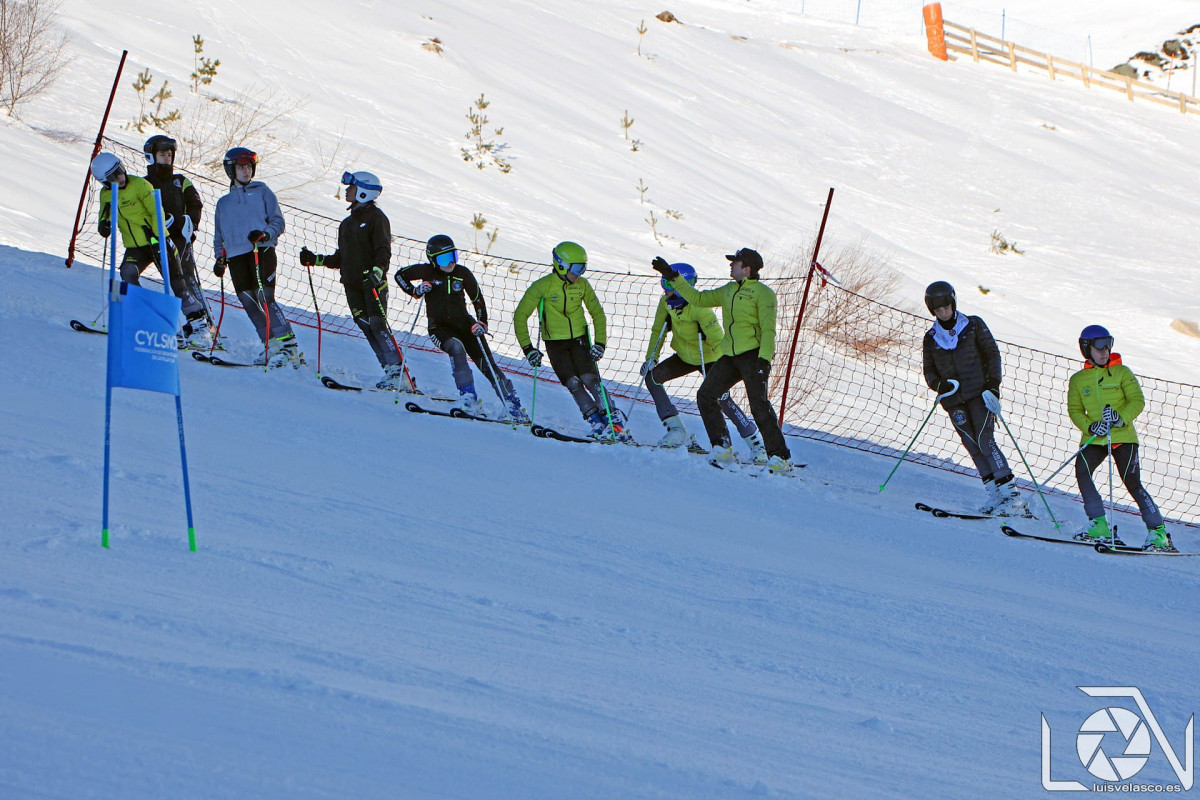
x: 135, y: 211
x: 747, y: 310
x: 1092, y: 388
x: 687, y: 324
x: 562, y: 305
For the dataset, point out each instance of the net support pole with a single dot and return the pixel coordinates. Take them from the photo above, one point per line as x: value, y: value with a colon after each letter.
x: 787, y: 378
x: 95, y: 150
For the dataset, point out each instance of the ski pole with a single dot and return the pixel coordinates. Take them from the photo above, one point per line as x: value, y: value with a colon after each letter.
x: 262, y: 298
x: 103, y: 278
x: 1112, y: 528
x: 1029, y: 469
x: 1063, y: 465
x: 317, y: 309
x: 220, y: 319
x: 533, y: 402
x: 657, y: 346
x: 936, y: 401
x: 392, y: 336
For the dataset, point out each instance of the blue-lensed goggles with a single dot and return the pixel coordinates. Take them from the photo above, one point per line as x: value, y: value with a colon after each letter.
x: 444, y: 258
x: 575, y: 269
x: 348, y: 179
x: 666, y: 284
x: 1103, y: 343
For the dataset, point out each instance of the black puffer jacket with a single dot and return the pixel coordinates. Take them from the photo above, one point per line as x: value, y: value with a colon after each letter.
x: 364, y: 241
x: 446, y: 303
x: 974, y: 363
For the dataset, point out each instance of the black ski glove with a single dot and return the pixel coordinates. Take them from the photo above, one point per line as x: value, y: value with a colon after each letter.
x: 597, y: 351
x: 533, y: 356
x: 1098, y: 428
x: 1112, y: 417
x: 376, y: 278
x: 257, y: 237
x: 105, y: 228
x: 666, y: 270
x: 307, y: 257
x: 220, y: 267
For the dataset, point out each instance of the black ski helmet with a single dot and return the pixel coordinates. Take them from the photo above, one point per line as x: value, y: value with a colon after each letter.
x: 938, y: 294
x: 1094, y: 336
x: 239, y: 155
x: 441, y: 243
x: 157, y: 144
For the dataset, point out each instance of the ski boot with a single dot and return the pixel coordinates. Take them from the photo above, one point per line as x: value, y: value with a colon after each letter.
x: 758, y: 452
x: 676, y: 436
x: 779, y: 465
x: 1098, y: 532
x: 1159, y: 539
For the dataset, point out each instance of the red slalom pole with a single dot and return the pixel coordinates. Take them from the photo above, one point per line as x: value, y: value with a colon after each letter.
x: 95, y: 149
x: 787, y: 378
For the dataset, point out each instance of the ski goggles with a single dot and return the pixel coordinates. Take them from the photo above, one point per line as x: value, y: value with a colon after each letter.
x: 1102, y: 343
x: 348, y: 179
x: 666, y: 284
x: 444, y: 258
x: 242, y: 159
x: 575, y: 268
x: 112, y: 174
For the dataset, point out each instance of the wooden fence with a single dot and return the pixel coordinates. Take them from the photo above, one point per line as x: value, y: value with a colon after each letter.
x: 982, y: 47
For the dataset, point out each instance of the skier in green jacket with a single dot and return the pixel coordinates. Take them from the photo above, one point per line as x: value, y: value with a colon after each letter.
x: 748, y: 312
x: 1103, y: 400
x: 696, y: 339
x: 559, y: 300
x: 137, y: 219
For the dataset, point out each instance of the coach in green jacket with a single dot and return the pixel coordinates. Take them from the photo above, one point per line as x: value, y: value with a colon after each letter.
x: 748, y: 312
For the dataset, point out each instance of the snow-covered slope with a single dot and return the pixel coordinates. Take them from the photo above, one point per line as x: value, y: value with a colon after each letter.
x: 391, y: 605
x: 386, y: 605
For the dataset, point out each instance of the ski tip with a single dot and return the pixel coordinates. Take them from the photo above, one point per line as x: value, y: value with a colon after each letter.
x: 411, y: 406
x: 196, y: 354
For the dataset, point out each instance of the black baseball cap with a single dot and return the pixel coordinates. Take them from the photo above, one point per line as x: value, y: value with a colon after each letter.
x: 749, y: 258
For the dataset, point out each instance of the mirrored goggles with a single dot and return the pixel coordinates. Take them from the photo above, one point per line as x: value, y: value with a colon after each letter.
x: 666, y: 285
x: 576, y: 269
x: 444, y: 258
x: 1103, y: 343
x: 246, y: 158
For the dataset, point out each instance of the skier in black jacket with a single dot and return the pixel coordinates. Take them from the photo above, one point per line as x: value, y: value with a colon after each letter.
x: 363, y: 254
x: 446, y: 286
x: 961, y: 348
x: 181, y: 204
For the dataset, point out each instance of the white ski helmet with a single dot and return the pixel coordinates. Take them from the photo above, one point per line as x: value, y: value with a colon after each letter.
x: 105, y: 167
x: 366, y: 186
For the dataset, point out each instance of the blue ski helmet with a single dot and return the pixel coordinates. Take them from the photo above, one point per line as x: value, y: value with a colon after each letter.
x: 687, y: 271
x: 1096, y: 336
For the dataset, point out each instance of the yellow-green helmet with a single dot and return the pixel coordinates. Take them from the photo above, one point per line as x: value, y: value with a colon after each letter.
x: 569, y: 257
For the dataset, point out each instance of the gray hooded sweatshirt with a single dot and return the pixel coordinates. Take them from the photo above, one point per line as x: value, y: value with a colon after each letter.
x: 252, y: 207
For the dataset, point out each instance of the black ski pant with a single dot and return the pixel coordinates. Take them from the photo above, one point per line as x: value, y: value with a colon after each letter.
x: 675, y: 367
x: 754, y: 373
x: 576, y: 369
x: 369, y: 309
x: 976, y: 427
x: 255, y: 287
x: 138, y: 259
x: 460, y: 344
x: 1125, y: 458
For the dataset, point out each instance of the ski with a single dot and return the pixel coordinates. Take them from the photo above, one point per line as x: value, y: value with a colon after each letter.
x: 457, y: 413
x: 943, y: 513
x: 542, y: 432
x: 85, y: 328
x: 330, y: 383
x: 1010, y: 531
x: 218, y: 361
x: 1101, y: 547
